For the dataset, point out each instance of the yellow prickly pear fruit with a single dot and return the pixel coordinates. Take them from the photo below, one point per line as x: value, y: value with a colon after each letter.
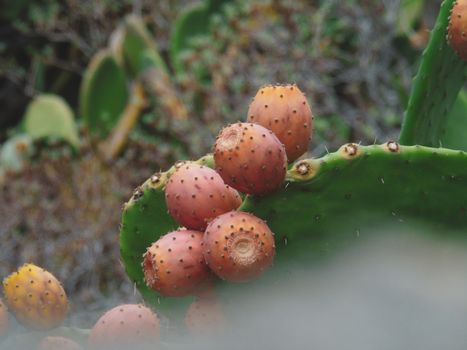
x: 35, y: 297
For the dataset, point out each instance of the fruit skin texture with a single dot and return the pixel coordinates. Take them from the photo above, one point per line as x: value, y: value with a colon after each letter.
x: 205, y: 317
x: 250, y: 158
x: 238, y: 246
x: 196, y: 194
x: 457, y: 29
x: 174, y: 265
x: 35, y: 297
x: 284, y: 109
x: 4, y: 323
x: 125, y: 325
x: 58, y: 343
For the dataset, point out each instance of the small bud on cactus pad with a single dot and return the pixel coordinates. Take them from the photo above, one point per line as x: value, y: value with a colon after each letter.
x: 250, y: 158
x: 284, y: 109
x: 205, y: 317
x: 174, y: 265
x: 4, y: 324
x: 125, y: 325
x: 238, y: 246
x: 196, y: 194
x: 457, y: 30
x: 36, y: 297
x: 58, y: 343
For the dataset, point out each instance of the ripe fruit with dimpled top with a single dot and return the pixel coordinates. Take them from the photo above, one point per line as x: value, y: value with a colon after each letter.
x: 125, y: 325
x: 250, y: 158
x: 284, y: 109
x: 174, y: 265
x: 238, y: 246
x: 58, y: 343
x: 205, y: 317
x: 4, y: 323
x: 457, y: 29
x: 196, y: 194
x: 35, y: 297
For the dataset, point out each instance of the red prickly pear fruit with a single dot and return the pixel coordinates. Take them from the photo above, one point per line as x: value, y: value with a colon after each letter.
x: 205, y: 317
x: 35, y: 297
x: 457, y: 29
x: 125, y: 325
x: 250, y: 158
x: 196, y: 194
x: 238, y: 246
x: 58, y: 343
x: 174, y: 265
x: 284, y: 109
x: 4, y: 323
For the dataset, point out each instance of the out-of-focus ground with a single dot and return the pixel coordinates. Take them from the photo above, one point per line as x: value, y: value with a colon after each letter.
x: 393, y: 291
x: 63, y: 212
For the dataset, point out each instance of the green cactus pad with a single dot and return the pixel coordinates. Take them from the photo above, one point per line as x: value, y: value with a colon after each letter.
x: 138, y: 41
x: 324, y: 204
x: 104, y: 93
x: 50, y: 116
x: 216, y: 5
x: 192, y: 21
x: 455, y: 135
x: 440, y: 77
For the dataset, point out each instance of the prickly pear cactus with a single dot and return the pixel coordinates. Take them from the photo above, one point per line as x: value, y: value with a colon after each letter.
x: 103, y: 93
x: 138, y: 41
x: 49, y: 116
x: 440, y: 77
x: 192, y: 21
x: 333, y: 200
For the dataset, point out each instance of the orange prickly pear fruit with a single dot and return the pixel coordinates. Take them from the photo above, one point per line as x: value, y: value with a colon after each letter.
x: 238, y: 246
x: 250, y: 158
x: 35, y: 297
x: 205, y: 317
x: 58, y: 343
x: 196, y: 194
x: 457, y: 29
x: 284, y: 109
x: 174, y: 265
x: 126, y: 326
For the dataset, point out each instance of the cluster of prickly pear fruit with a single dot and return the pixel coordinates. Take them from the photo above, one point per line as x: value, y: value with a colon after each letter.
x: 215, y: 239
